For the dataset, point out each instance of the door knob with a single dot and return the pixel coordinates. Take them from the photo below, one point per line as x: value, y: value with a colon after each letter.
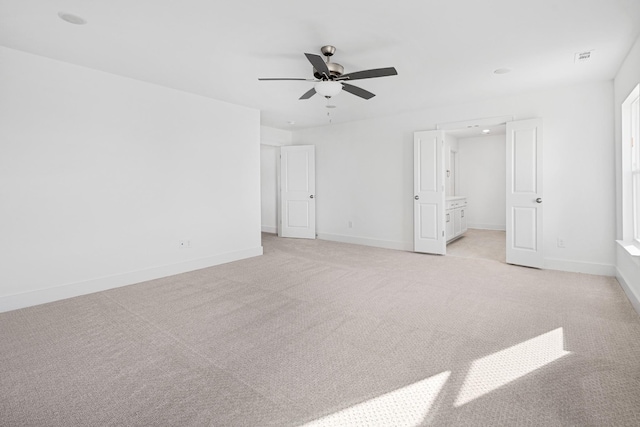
x: 417, y: 197
x: 538, y: 200
x: 311, y: 196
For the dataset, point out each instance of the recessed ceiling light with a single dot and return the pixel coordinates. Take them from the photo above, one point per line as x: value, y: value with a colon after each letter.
x: 291, y: 122
x: 502, y: 71
x: 486, y: 131
x: 71, y: 18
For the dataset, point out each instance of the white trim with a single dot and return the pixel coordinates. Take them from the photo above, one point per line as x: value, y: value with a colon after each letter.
x: 579, y: 267
x: 633, y: 298
x: 631, y: 247
x: 549, y: 263
x: 41, y: 296
x: 628, y: 275
x: 277, y: 144
x: 269, y: 229
x: 499, y: 227
x: 366, y: 241
x: 464, y: 124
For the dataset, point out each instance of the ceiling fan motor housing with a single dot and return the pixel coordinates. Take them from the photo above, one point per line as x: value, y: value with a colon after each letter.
x: 335, y: 69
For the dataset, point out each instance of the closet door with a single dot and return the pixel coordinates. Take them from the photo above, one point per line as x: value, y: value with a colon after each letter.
x: 524, y: 193
x: 297, y: 192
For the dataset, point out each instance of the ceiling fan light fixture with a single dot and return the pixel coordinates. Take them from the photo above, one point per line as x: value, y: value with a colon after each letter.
x: 328, y: 88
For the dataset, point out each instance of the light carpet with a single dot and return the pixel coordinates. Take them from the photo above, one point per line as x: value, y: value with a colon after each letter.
x: 330, y: 334
x: 484, y: 244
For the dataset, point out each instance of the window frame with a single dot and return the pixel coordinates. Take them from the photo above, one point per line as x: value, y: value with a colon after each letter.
x: 630, y: 153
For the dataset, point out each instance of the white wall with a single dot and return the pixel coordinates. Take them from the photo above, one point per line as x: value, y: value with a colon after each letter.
x: 365, y: 173
x: 102, y: 176
x: 482, y: 176
x: 271, y: 139
x: 627, y: 266
x: 275, y: 137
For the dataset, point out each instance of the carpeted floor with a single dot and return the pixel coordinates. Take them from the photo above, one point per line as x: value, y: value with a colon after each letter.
x: 484, y: 244
x: 324, y: 333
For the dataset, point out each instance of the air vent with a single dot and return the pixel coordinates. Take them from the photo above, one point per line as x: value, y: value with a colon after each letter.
x: 583, y: 56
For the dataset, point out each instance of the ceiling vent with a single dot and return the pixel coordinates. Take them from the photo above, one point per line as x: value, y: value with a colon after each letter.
x: 583, y: 56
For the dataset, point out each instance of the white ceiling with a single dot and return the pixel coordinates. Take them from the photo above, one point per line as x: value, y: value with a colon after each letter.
x: 445, y: 51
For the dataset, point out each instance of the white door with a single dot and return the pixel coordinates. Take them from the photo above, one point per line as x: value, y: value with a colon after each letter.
x: 297, y: 192
x: 428, y: 184
x: 524, y: 193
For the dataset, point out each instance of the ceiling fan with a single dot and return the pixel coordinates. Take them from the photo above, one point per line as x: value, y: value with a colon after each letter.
x: 330, y: 79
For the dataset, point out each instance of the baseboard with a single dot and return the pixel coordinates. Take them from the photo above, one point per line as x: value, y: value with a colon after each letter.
x: 628, y: 275
x: 549, y: 263
x: 269, y: 229
x: 579, y: 267
x: 387, y: 244
x: 633, y: 297
x: 487, y: 226
x: 42, y: 296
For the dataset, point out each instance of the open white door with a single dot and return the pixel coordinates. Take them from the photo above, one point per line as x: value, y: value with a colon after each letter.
x: 524, y: 193
x: 297, y: 192
x: 428, y: 184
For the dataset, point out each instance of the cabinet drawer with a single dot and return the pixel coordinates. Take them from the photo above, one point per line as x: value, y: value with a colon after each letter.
x: 453, y: 204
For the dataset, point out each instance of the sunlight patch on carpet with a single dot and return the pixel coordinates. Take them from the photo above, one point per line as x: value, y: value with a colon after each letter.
x: 406, y: 406
x: 498, y: 369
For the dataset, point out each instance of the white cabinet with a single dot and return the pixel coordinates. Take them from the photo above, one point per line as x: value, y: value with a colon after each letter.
x: 456, y: 219
x: 457, y: 226
x: 449, y: 225
x: 463, y: 220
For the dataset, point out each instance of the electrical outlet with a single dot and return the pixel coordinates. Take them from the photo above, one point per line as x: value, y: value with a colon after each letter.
x: 350, y: 224
x: 560, y: 242
x: 184, y: 243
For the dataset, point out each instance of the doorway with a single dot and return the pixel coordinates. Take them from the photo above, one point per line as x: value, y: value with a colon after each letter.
x: 477, y: 167
x: 491, y: 180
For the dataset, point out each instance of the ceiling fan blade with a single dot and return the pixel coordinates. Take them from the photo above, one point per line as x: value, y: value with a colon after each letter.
x: 318, y: 63
x: 369, y: 74
x: 357, y: 91
x: 308, y: 94
x: 286, y: 78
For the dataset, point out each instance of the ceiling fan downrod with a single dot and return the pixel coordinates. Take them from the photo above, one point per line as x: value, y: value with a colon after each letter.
x: 335, y: 69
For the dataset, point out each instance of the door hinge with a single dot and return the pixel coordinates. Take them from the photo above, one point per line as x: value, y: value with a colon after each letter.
x: 442, y: 233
